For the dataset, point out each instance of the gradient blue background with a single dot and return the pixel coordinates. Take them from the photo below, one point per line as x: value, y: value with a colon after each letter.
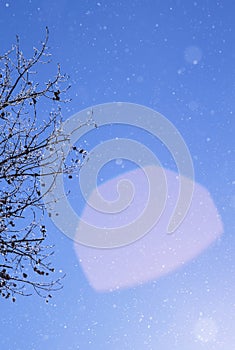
x: 136, y: 51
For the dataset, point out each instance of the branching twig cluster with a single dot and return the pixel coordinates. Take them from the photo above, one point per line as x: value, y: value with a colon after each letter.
x: 23, y: 256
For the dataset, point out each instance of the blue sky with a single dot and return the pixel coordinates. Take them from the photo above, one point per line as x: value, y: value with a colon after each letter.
x: 176, y: 57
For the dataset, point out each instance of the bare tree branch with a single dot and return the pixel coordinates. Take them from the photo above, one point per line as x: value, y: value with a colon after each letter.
x: 24, y: 259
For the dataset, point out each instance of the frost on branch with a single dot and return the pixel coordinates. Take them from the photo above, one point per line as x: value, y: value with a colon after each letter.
x: 24, y: 136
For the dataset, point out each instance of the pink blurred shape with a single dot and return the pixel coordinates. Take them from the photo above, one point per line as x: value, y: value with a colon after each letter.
x: 157, y: 253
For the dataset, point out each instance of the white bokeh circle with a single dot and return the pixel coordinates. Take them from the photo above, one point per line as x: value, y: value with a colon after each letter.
x: 56, y: 201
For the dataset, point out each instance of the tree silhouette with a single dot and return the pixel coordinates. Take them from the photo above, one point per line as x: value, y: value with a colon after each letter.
x: 23, y: 138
